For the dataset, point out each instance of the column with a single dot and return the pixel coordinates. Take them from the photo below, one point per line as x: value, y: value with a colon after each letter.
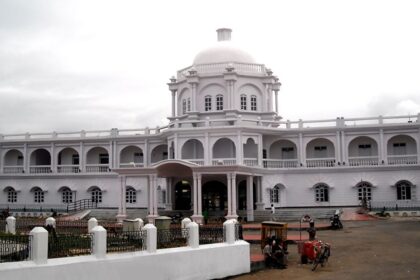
x: 418, y: 141
x: 234, y: 204
x: 199, y: 195
x: 53, y: 159
x: 276, y: 94
x: 81, y: 157
x: 382, y: 155
x: 122, y: 205
x: 1, y: 160
x: 173, y: 102
x: 249, y: 199
x: 344, y: 158
x: 229, y: 189
x: 176, y: 154
x: 168, y: 193
x: 260, y: 204
x: 146, y: 153
x: 193, y: 96
x: 260, y: 151
x: 239, y: 149
x: 155, y: 200
x: 338, y: 150
x: 207, y: 159
x: 111, y: 156
x: 152, y: 202
x: 195, y: 202
x: 270, y: 97
x: 302, y: 151
x: 25, y: 158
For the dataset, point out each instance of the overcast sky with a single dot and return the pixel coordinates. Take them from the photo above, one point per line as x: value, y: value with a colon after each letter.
x: 73, y: 65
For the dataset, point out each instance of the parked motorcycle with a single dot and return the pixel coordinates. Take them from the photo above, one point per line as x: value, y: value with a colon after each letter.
x: 335, y: 221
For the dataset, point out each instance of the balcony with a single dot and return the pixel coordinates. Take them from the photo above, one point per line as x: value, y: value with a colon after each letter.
x: 402, y: 159
x: 70, y: 168
x: 40, y: 169
x: 198, y: 161
x: 224, y: 161
x: 251, y: 161
x: 13, y: 169
x: 320, y: 162
x: 280, y: 163
x: 131, y: 165
x: 364, y: 161
x: 97, y: 168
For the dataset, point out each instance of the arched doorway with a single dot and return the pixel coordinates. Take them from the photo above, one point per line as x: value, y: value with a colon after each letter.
x: 214, y: 196
x: 183, y: 195
x: 242, y: 195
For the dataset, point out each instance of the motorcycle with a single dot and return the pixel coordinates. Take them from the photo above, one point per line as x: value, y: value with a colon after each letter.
x: 335, y: 221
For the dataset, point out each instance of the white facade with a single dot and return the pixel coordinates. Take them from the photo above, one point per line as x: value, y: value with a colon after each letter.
x: 225, y: 147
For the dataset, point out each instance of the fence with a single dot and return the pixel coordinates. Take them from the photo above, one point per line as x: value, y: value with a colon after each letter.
x: 68, y: 245
x: 173, y: 237
x: 209, y: 235
x: 403, y: 205
x: 14, y: 247
x: 128, y: 241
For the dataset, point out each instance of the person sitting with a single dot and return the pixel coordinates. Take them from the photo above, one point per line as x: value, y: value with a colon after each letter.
x: 278, y: 255
x: 311, y: 230
x: 267, y: 252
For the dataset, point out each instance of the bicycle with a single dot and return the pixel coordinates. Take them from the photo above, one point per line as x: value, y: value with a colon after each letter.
x: 322, y: 255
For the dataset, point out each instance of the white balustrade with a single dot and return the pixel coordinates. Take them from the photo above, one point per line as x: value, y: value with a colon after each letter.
x: 195, y: 160
x: 71, y: 168
x: 40, y: 169
x: 281, y: 163
x: 13, y: 169
x: 402, y: 159
x: 320, y: 162
x: 224, y: 161
x: 97, y: 168
x: 132, y: 165
x: 364, y: 161
x: 250, y: 161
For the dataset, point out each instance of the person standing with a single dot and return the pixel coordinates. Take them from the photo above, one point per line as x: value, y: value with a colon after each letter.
x: 273, y: 212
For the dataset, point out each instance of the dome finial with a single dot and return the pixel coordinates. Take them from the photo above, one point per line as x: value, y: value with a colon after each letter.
x: 224, y: 34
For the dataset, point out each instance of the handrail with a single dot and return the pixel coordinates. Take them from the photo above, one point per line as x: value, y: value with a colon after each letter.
x: 81, y: 204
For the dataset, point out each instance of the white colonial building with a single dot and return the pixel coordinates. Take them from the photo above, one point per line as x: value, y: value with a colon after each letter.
x: 225, y: 148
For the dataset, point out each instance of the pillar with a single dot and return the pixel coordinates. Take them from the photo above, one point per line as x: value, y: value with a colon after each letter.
x: 229, y: 231
x: 233, y: 204
x: 81, y: 158
x: 11, y: 225
x: 193, y: 235
x: 168, y: 193
x: 302, y: 151
x: 92, y: 223
x: 260, y: 203
x: 173, y: 102
x: 151, y: 238
x: 53, y: 159
x: 197, y: 216
x: 122, y: 210
x: 99, y: 242
x: 249, y: 199
x: 229, y: 189
x: 199, y: 195
x: 276, y: 94
x: 382, y: 148
x: 152, y: 199
x: 344, y: 157
x: 338, y: 149
x: 39, y: 245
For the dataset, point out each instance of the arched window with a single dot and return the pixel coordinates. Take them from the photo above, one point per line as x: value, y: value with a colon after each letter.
x: 189, y: 104
x: 11, y: 195
x: 38, y: 195
x: 243, y: 102
x: 275, y: 194
x: 219, y: 102
x: 403, y: 190
x: 130, y: 195
x: 321, y: 193
x: 253, y: 103
x: 207, y: 103
x: 184, y: 106
x: 364, y: 191
x: 96, y: 195
x: 67, y: 196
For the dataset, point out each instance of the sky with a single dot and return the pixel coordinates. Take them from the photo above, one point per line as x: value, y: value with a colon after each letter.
x: 94, y: 65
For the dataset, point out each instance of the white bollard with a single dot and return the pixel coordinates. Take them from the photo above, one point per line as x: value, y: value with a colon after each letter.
x: 229, y: 229
x: 91, y: 224
x: 99, y: 242
x: 138, y: 224
x: 184, y: 224
x: 151, y: 238
x: 11, y: 225
x: 193, y: 236
x: 39, y: 245
x: 50, y: 222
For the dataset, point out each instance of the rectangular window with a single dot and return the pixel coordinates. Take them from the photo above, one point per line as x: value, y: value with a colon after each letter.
x: 188, y: 105
x: 287, y: 152
x: 207, y: 103
x: 219, y: 103
x: 365, y: 150
x: 253, y: 103
x: 12, y: 196
x: 19, y: 160
x: 403, y: 193
x: 75, y: 159
x: 103, y: 158
x: 243, y: 102
x: 184, y: 106
x: 138, y: 157
x: 39, y: 196
x: 320, y: 151
x: 400, y: 148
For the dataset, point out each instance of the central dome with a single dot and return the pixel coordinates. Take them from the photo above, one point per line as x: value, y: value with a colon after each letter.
x: 223, y: 51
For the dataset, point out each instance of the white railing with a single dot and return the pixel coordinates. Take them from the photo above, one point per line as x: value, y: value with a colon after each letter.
x: 69, y: 168
x: 97, y: 168
x: 131, y: 165
x: 224, y: 161
x: 40, y: 169
x: 16, y: 169
x: 250, y: 161
x: 213, y: 68
x: 280, y: 163
x: 195, y: 160
x: 364, y: 161
x: 402, y: 159
x: 320, y: 162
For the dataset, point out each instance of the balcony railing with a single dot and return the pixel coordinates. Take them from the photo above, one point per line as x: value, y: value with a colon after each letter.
x: 40, y: 169
x: 131, y: 165
x: 320, y: 162
x: 224, y: 161
x: 364, y: 161
x: 280, y: 163
x: 68, y: 168
x: 251, y: 161
x: 13, y: 169
x: 198, y: 161
x: 97, y: 168
x: 402, y: 159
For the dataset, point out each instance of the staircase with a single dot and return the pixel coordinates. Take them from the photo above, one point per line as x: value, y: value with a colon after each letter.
x: 290, y: 214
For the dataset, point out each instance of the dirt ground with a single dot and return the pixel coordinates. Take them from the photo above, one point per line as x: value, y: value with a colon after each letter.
x: 380, y: 249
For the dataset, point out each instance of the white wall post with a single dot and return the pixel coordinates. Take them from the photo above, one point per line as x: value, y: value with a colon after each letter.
x: 229, y: 229
x: 193, y: 237
x: 92, y: 223
x: 99, y: 242
x: 138, y: 224
x: 151, y: 238
x: 39, y: 245
x: 11, y: 225
x: 50, y: 221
